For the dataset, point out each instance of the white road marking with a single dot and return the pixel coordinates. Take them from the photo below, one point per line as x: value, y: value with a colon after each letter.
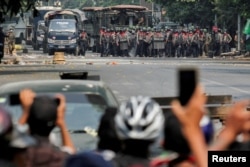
x: 230, y: 87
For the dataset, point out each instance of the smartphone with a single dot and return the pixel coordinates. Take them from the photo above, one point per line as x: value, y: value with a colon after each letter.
x: 187, y: 82
x: 14, y: 99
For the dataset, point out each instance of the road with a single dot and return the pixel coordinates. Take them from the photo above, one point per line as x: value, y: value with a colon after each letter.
x: 154, y: 77
x: 138, y: 76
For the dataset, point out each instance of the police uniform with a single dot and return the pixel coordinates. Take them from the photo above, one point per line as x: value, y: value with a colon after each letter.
x: 102, y: 41
x: 84, y: 43
x: 139, y: 40
x: 147, y: 43
x: 208, y: 40
x: 11, y: 41
x: 132, y: 46
x: 217, y: 43
x: 157, y: 43
x: 123, y: 43
x: 226, y: 39
x: 2, y: 38
x: 107, y: 35
x: 113, y: 43
x: 168, y: 43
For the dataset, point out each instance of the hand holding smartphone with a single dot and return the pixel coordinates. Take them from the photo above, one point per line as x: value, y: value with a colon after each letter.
x: 187, y: 82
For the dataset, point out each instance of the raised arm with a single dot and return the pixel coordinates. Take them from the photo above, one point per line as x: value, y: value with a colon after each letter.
x: 190, y: 117
x: 60, y: 122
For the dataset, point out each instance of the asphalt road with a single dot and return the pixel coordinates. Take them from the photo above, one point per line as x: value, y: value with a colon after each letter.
x: 137, y: 76
x: 154, y: 77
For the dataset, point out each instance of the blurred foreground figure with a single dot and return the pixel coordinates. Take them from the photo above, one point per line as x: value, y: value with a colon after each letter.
x: 190, y: 116
x: 139, y: 123
x: 13, y: 142
x: 109, y: 144
x: 43, y: 114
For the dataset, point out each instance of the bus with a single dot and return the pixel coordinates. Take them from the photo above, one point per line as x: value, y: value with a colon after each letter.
x: 114, y: 17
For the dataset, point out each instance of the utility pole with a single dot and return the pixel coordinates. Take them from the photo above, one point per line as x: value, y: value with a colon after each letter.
x: 215, y: 19
x: 152, y: 17
x: 239, y: 32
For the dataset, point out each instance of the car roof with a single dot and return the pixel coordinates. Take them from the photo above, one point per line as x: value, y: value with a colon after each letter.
x: 53, y: 86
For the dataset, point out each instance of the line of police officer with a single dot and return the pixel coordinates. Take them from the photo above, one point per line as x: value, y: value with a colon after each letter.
x: 148, y: 42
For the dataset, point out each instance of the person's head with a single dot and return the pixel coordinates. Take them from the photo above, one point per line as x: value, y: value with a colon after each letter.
x: 175, y: 141
x: 11, y: 29
x: 43, y: 115
x: 139, y: 122
x: 108, y: 139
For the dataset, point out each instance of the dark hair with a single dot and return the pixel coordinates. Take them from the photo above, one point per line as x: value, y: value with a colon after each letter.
x: 137, y: 148
x: 43, y: 114
x: 173, y: 137
x: 108, y: 138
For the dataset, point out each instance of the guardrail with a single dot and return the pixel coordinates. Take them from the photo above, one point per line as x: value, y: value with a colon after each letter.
x: 217, y: 105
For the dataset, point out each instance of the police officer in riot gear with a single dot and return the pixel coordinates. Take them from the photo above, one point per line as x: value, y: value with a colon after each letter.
x: 11, y: 40
x: 2, y: 38
x: 84, y: 43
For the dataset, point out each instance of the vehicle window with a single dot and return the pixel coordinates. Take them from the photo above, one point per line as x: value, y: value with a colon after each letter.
x: 40, y: 26
x: 89, y: 107
x: 62, y: 26
x: 78, y: 117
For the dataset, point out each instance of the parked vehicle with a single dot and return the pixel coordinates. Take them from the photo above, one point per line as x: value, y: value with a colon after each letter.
x: 62, y: 35
x: 70, y: 26
x: 170, y: 25
x: 113, y: 17
x: 36, y: 23
x: 38, y: 40
x: 85, y: 103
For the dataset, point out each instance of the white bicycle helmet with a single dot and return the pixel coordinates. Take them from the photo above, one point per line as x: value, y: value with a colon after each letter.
x: 139, y: 118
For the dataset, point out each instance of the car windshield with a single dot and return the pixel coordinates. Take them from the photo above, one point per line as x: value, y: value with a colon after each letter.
x: 83, y: 112
x: 62, y: 26
x: 40, y: 26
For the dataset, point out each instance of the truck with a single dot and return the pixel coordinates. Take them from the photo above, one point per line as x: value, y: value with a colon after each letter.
x: 62, y: 35
x: 113, y: 17
x: 66, y: 16
x: 39, y: 32
x: 36, y: 23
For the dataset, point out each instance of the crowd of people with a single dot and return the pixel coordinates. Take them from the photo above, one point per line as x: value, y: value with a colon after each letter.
x: 126, y: 134
x: 157, y: 42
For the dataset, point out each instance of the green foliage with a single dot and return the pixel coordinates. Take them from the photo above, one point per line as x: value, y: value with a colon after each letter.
x: 12, y: 7
x: 229, y: 9
x: 185, y: 12
x: 202, y: 12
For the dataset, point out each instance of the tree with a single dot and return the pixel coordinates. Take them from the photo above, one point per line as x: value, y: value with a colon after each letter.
x: 13, y: 7
x: 229, y: 9
x: 199, y: 12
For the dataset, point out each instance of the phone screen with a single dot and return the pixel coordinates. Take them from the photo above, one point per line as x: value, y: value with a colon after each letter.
x: 187, y: 84
x: 14, y: 99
